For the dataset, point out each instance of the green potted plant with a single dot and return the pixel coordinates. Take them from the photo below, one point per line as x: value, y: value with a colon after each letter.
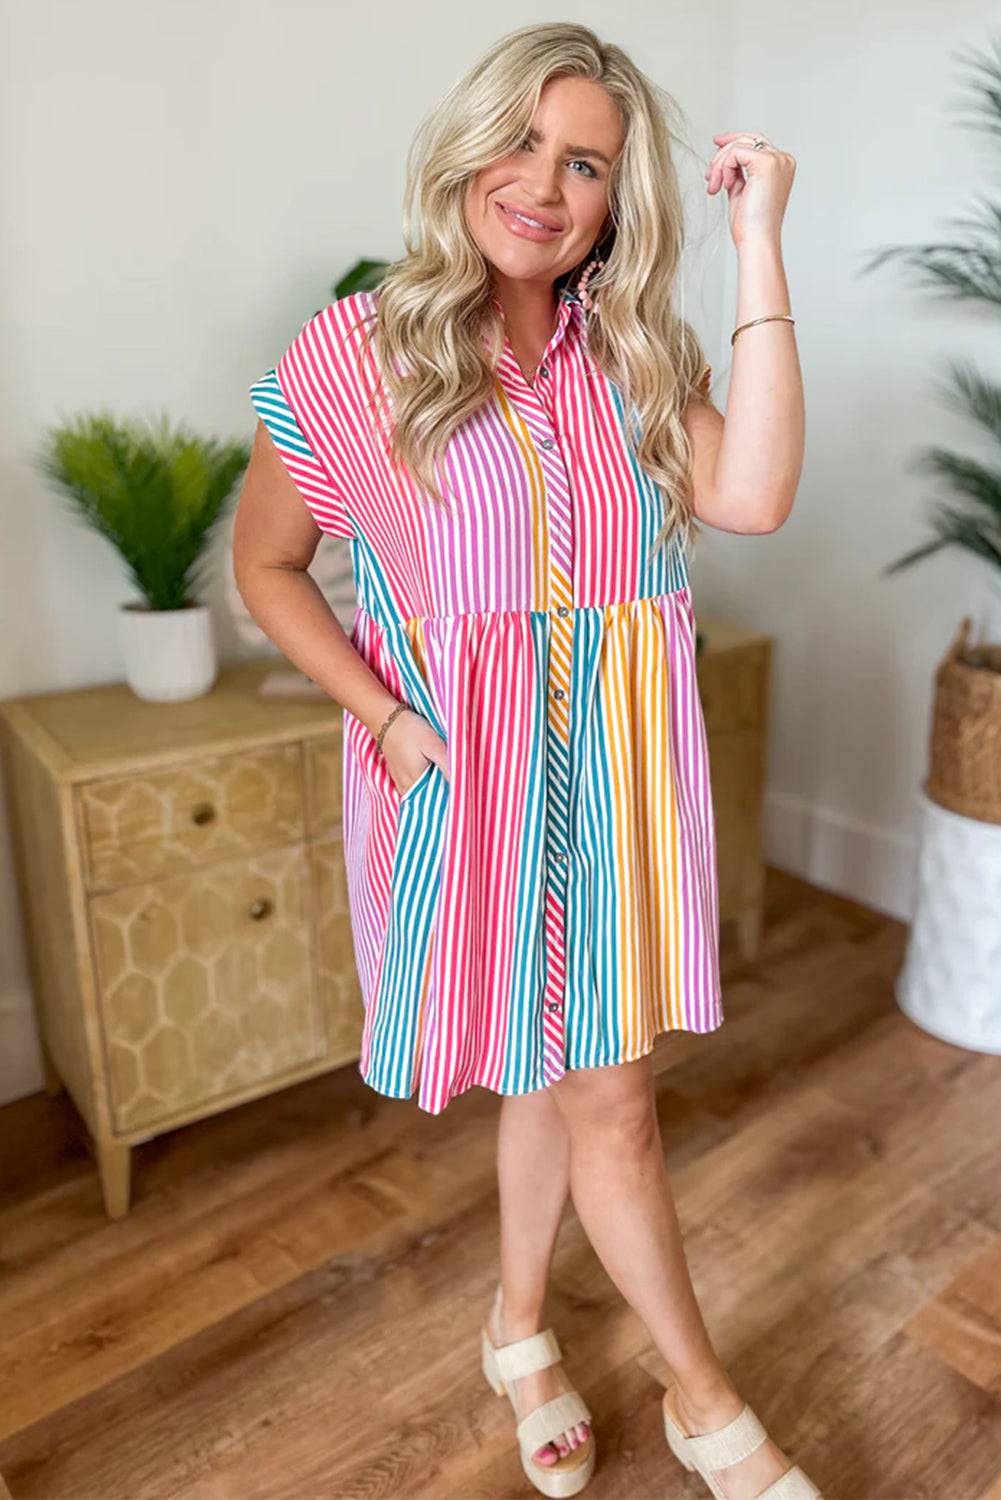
x: 966, y: 731
x: 948, y: 983
x: 155, y: 491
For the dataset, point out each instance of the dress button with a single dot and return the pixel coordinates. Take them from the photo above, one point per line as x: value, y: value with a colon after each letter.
x: 563, y: 610
x: 543, y: 369
x: 552, y: 1005
x: 558, y: 693
x: 547, y: 443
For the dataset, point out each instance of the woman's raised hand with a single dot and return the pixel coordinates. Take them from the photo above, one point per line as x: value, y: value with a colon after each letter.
x: 757, y: 180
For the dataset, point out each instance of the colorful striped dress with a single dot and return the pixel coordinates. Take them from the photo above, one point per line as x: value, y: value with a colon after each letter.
x: 551, y: 902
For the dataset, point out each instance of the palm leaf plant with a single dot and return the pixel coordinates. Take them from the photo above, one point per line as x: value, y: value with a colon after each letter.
x: 964, y: 773
x: 364, y: 276
x: 154, y: 491
x: 965, y: 268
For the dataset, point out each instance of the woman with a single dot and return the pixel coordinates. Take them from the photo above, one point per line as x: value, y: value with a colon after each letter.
x: 514, y: 435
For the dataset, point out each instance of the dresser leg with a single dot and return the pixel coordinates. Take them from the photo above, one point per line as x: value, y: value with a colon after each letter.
x: 50, y: 1078
x: 113, y: 1161
x: 748, y: 925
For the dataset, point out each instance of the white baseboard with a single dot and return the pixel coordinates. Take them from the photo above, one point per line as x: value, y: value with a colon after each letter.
x: 871, y: 865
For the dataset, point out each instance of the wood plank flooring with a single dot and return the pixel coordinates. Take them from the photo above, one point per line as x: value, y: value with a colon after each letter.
x: 291, y: 1309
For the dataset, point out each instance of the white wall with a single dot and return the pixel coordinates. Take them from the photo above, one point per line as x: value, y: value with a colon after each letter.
x: 865, y: 98
x: 182, y: 183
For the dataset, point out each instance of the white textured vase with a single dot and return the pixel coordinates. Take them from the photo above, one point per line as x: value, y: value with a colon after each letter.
x: 169, y: 654
x: 950, y: 983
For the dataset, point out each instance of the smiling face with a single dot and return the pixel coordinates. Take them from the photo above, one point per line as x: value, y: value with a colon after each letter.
x: 538, y: 212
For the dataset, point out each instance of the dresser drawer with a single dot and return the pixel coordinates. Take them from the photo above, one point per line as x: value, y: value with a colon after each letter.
x: 204, y: 985
x: 151, y: 823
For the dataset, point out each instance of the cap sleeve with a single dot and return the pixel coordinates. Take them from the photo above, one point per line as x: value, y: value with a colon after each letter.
x: 289, y: 401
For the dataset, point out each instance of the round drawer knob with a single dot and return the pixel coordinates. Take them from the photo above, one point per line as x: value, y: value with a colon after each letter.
x: 203, y: 813
x: 261, y: 908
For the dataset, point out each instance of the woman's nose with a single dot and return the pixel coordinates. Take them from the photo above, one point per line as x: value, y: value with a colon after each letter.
x: 540, y: 181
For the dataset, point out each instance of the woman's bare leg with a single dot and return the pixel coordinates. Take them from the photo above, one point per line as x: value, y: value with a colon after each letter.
x: 623, y: 1199
x: 533, y: 1173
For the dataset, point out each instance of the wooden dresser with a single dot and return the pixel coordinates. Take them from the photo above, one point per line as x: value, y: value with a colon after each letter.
x: 184, y: 896
x: 184, y: 900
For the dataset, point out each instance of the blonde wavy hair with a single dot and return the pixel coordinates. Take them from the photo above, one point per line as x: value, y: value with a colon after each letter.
x: 435, y: 330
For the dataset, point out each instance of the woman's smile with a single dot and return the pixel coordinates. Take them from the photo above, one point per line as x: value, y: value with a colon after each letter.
x: 524, y: 225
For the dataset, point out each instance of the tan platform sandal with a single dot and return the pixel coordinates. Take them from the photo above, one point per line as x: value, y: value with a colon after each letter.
x: 709, y: 1452
x: 505, y: 1363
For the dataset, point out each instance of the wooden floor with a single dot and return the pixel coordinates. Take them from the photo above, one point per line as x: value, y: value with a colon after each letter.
x: 291, y: 1310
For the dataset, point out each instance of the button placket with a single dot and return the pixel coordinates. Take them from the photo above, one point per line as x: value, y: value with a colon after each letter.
x: 557, y: 835
x: 536, y: 402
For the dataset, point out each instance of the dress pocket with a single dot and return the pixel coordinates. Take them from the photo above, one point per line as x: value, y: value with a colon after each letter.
x: 404, y: 1010
x: 415, y: 786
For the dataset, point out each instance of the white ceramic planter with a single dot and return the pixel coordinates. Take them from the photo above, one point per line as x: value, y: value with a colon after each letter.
x: 169, y: 654
x: 950, y: 983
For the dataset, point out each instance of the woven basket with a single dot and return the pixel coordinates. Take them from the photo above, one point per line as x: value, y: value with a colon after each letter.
x: 965, y: 770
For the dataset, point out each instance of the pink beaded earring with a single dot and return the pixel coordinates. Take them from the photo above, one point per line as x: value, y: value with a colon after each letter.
x: 587, y: 300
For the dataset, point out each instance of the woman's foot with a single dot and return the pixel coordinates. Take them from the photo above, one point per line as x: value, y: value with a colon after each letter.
x: 530, y: 1391
x: 740, y: 1481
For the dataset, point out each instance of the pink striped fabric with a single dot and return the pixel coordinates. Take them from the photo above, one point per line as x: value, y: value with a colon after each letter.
x: 551, y: 902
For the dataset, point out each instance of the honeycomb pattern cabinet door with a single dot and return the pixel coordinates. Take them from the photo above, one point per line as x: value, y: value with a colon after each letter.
x: 205, y: 984
x: 340, y: 991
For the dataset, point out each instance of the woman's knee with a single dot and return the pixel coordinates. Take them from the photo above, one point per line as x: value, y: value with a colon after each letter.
x: 612, y: 1105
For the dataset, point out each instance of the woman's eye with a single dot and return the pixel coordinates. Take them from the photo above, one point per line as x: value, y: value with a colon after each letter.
x: 526, y: 145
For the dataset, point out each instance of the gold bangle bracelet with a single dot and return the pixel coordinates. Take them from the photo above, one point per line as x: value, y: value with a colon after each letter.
x: 387, y: 721
x: 768, y: 318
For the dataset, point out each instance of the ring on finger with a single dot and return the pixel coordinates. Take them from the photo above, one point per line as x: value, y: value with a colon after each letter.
x: 756, y: 142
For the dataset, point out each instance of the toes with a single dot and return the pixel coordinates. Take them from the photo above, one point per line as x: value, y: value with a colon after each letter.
x: 567, y: 1441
